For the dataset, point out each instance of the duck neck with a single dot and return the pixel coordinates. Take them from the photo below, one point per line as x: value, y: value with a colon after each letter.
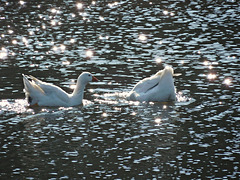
x: 79, y: 90
x: 77, y: 95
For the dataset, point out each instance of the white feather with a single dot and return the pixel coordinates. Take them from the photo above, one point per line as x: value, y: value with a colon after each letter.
x: 45, y: 94
x: 159, y: 87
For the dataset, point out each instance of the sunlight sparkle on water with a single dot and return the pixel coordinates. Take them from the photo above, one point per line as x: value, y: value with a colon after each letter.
x: 133, y: 113
x: 53, y: 10
x: 62, y: 47
x: 72, y: 40
x: 158, y: 60
x: 112, y: 4
x: 89, y: 53
x: 21, y: 2
x: 72, y: 86
x: 65, y: 62
x: 102, y: 37
x: 73, y: 15
x: 79, y: 5
x: 142, y: 37
x: 25, y: 40
x: 3, y: 53
x: 104, y: 114
x: 135, y: 103
x: 211, y: 76
x: 55, y: 48
x: 14, y: 41
x: 101, y: 18
x: 158, y: 121
x: 10, y: 31
x: 91, y: 90
x: 205, y: 63
x: 165, y: 12
x: 53, y: 23
x: 227, y: 81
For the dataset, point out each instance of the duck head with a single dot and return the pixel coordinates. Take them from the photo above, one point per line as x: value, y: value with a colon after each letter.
x: 86, y: 77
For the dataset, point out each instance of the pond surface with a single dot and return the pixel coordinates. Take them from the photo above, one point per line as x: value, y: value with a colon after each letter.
x: 122, y: 42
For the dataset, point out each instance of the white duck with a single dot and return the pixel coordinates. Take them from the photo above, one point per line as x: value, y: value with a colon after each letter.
x: 159, y: 87
x: 39, y: 93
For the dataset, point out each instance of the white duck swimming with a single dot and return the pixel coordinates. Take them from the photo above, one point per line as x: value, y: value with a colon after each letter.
x: 159, y: 87
x: 39, y: 93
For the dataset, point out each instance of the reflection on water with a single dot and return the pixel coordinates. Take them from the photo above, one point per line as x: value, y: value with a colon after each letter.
x: 121, y: 43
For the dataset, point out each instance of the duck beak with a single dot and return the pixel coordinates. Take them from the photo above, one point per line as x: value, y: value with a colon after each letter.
x: 94, y: 79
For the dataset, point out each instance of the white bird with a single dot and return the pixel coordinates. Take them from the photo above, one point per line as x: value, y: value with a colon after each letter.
x: 159, y: 87
x: 39, y: 93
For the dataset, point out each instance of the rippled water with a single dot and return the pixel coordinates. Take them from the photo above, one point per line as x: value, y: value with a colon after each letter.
x: 121, y: 42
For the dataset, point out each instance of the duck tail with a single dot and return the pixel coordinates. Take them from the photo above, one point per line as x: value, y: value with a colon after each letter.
x: 27, y: 83
x: 37, y: 81
x: 169, y: 69
x: 31, y: 86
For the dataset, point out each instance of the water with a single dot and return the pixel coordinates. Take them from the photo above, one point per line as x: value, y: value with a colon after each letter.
x: 121, y: 42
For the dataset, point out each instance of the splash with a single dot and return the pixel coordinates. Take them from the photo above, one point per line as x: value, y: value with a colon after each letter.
x: 113, y: 98
x: 17, y: 106
x: 183, y: 99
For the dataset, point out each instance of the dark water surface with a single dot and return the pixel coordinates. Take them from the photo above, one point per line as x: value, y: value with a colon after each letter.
x: 121, y: 42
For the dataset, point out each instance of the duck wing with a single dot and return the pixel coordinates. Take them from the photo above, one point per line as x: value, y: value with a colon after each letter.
x: 47, y: 89
x: 146, y: 84
x: 30, y: 86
